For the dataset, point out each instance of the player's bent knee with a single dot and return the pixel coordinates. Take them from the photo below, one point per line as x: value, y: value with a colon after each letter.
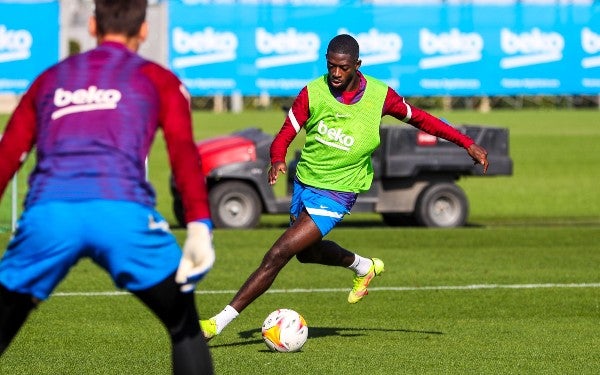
x: 305, y: 257
x: 309, y: 255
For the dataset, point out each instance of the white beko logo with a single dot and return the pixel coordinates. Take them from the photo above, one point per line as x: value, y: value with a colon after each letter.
x: 84, y: 100
x: 206, y: 47
x: 590, y: 42
x: 14, y: 44
x: 451, y: 48
x: 333, y: 137
x: 377, y: 47
x: 286, y: 48
x: 530, y: 48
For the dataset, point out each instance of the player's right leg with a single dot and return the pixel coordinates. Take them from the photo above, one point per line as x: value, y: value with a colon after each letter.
x: 177, y: 312
x: 136, y: 247
x: 14, y: 310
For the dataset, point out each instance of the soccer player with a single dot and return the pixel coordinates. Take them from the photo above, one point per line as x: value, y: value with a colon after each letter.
x: 341, y: 113
x: 92, y: 119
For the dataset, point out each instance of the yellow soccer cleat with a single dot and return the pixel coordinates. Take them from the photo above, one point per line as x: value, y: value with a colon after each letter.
x: 359, y: 290
x: 209, y: 328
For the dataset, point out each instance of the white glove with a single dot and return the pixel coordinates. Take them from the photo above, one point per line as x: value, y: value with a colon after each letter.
x: 198, y: 256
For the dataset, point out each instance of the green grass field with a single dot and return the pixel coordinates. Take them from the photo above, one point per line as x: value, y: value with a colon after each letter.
x: 515, y: 292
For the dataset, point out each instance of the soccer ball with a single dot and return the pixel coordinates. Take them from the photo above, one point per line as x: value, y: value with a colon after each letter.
x: 284, y: 330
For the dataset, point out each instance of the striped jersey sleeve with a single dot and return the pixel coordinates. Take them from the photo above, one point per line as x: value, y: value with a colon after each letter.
x: 394, y: 105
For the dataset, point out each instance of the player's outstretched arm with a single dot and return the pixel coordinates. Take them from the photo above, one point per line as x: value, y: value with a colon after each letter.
x: 479, y: 155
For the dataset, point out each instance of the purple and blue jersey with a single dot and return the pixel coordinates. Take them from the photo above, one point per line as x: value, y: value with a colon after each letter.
x: 92, y: 119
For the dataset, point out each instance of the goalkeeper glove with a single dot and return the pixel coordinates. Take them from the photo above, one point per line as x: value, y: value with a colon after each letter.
x: 198, y: 255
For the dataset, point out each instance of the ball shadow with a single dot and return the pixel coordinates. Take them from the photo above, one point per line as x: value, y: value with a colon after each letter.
x: 253, y: 336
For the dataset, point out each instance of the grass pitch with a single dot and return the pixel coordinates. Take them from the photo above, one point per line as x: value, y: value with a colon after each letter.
x: 489, y: 300
x: 515, y: 292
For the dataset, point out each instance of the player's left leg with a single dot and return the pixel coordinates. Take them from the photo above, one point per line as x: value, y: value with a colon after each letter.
x: 327, y: 253
x: 177, y: 311
x: 330, y: 253
x: 327, y: 212
x: 14, y: 310
x: 362, y: 281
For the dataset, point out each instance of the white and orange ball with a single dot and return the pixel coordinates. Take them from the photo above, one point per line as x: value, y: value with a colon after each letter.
x: 284, y: 330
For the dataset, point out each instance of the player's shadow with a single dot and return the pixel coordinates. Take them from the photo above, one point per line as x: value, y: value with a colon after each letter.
x: 253, y: 336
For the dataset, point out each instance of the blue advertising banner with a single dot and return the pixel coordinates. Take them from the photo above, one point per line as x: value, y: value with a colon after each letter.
x: 29, y: 37
x: 424, y: 50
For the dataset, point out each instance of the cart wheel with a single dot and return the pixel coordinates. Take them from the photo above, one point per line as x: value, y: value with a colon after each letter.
x: 234, y: 204
x: 442, y: 205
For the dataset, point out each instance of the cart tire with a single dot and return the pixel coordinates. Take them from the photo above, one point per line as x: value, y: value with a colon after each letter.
x: 442, y: 205
x: 234, y: 204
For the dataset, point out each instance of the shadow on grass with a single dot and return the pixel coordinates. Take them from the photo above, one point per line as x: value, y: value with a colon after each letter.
x: 572, y: 222
x: 365, y: 224
x: 359, y: 220
x: 253, y: 336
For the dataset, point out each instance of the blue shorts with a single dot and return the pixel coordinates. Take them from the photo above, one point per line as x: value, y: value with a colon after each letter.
x: 130, y: 241
x: 323, y: 209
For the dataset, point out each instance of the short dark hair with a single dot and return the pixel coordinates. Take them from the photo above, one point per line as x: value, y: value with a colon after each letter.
x: 119, y: 16
x: 345, y: 44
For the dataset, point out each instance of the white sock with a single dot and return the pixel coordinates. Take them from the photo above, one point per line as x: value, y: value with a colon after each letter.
x: 361, y: 265
x: 225, y: 317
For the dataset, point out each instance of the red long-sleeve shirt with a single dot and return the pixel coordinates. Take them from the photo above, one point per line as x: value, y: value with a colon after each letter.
x: 394, y: 105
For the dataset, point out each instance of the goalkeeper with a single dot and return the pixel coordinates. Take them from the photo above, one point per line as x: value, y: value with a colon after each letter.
x: 92, y: 119
x: 341, y: 113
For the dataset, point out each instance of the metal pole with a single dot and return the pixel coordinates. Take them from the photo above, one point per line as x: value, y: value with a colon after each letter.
x: 14, y: 204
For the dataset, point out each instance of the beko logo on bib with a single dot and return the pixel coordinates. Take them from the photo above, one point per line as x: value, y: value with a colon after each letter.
x: 84, y: 100
x: 335, y: 137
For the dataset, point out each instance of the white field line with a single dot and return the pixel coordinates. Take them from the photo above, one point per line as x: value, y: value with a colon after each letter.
x: 335, y: 290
